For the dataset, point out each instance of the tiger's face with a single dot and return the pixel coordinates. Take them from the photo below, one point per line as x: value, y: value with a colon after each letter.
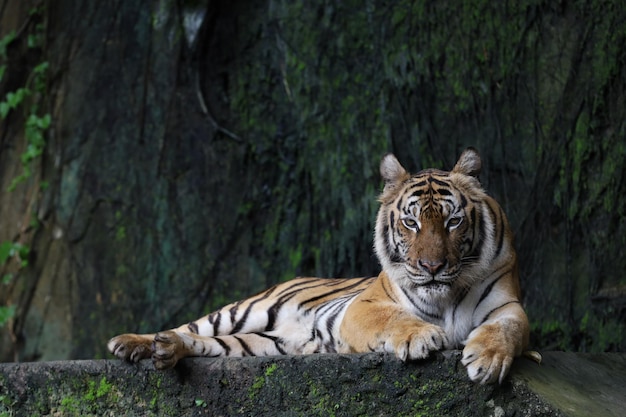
x: 427, y: 224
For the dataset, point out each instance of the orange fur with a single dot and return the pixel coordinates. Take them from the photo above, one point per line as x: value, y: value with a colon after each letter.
x: 376, y: 322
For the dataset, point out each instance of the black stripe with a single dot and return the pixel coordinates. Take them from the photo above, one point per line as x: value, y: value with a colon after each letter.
x: 479, y: 240
x: 242, y: 322
x: 223, y: 344
x: 426, y: 313
x: 418, y: 193
x: 388, y: 293
x: 399, y: 204
x: 329, y: 328
x: 338, y: 302
x: 497, y: 308
x: 277, y: 341
x: 216, y: 323
x: 295, y: 287
x: 486, y: 292
x: 274, y: 310
x: 458, y: 301
x: 193, y: 327
x: 233, y: 313
x: 438, y: 182
x: 291, y: 292
x: 494, y: 219
x: 334, y: 291
x: 328, y: 313
x: 500, y: 230
x: 418, y: 308
x: 244, y: 346
x: 395, y: 257
x: 489, y: 287
x: 271, y: 318
x: 463, y: 200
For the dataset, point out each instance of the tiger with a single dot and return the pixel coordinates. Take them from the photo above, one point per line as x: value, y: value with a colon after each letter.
x: 448, y: 280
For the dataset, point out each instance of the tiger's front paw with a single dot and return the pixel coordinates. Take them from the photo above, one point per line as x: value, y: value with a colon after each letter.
x: 131, y: 347
x: 167, y: 349
x: 488, y: 355
x: 416, y: 341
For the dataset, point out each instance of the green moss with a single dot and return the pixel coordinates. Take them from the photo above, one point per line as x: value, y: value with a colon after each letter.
x: 271, y: 369
x: 70, y: 405
x: 200, y: 403
x: 120, y: 234
x: 322, y: 403
x: 97, y: 390
x: 82, y: 397
x: 6, y: 406
x: 260, y: 381
x: 156, y: 400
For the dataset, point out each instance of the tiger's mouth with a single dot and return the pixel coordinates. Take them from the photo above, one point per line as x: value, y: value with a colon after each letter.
x: 435, y: 283
x: 432, y: 282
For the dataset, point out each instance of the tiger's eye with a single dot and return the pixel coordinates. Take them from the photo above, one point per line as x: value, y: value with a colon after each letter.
x: 455, y: 221
x: 410, y: 223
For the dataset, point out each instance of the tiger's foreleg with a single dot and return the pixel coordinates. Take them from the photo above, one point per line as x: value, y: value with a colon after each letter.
x: 375, y: 323
x: 491, y: 347
x: 392, y: 331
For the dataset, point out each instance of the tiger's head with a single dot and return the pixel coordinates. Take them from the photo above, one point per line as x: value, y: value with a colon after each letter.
x: 427, y: 231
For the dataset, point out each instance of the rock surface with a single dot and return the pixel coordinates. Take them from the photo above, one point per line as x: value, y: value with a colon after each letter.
x: 565, y: 384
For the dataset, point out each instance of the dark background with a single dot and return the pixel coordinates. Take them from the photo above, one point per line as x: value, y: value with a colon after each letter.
x: 200, y: 151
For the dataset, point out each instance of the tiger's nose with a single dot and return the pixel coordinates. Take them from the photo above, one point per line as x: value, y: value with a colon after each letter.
x: 431, y: 266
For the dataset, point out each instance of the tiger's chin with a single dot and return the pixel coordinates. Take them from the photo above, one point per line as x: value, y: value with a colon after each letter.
x: 434, y: 289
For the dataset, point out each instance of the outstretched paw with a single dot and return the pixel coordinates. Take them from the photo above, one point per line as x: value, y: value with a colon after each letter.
x: 131, y: 347
x: 167, y: 349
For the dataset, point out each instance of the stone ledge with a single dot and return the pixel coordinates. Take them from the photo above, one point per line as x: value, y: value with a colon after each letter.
x: 566, y: 384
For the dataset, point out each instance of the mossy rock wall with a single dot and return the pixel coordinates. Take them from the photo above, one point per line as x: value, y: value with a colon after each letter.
x: 315, y: 385
x: 185, y: 169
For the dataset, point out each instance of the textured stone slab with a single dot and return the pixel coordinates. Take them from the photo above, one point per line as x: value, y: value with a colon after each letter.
x: 315, y: 385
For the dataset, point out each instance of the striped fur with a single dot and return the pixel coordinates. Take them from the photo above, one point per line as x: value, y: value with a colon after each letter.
x: 449, y: 278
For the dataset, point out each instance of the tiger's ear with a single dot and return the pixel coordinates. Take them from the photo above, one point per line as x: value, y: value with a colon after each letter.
x: 469, y: 163
x: 391, y: 171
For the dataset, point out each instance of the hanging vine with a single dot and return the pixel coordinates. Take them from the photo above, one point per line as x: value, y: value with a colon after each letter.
x: 25, y: 102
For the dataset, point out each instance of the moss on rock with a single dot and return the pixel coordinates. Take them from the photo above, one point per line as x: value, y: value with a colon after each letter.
x: 314, y: 385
